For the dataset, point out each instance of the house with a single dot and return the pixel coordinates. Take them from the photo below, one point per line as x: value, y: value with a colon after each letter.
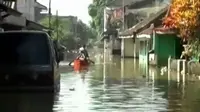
x: 10, y: 18
x: 112, y: 20
x: 156, y: 44
x: 38, y: 9
x: 13, y: 19
x: 165, y: 44
x: 120, y: 15
x: 145, y: 34
x: 30, y: 8
x: 136, y: 20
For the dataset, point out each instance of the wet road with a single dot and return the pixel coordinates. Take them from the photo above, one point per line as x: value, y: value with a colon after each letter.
x: 117, y: 86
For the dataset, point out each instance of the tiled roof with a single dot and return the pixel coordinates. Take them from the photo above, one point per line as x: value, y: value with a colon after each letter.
x: 145, y: 23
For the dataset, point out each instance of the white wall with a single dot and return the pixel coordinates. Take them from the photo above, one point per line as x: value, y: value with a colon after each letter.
x: 27, y: 7
x: 128, y: 47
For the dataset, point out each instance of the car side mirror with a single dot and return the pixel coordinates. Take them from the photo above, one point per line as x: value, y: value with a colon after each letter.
x: 60, y: 49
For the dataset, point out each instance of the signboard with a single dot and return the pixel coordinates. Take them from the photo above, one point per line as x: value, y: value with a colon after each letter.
x: 117, y: 14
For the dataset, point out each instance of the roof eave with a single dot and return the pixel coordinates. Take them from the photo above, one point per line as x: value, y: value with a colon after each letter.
x: 144, y: 24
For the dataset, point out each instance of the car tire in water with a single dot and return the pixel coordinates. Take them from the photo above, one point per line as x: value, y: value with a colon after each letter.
x: 57, y: 88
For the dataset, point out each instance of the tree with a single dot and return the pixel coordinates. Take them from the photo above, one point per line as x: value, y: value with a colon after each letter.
x: 61, y: 32
x: 96, y: 11
x: 184, y: 16
x: 70, y: 33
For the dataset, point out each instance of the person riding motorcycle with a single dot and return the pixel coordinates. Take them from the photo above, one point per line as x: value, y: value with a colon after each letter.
x: 85, y: 52
x: 81, y: 55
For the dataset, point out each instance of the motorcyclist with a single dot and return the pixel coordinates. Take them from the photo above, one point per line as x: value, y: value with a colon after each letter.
x: 85, y: 52
x: 81, y: 55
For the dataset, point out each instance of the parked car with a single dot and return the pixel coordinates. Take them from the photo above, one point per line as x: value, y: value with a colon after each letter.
x: 29, y: 60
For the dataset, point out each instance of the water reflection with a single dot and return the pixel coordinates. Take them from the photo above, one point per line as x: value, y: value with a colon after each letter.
x: 116, y: 85
x: 123, y: 85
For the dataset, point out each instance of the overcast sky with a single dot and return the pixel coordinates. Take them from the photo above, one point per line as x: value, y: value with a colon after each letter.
x: 70, y: 7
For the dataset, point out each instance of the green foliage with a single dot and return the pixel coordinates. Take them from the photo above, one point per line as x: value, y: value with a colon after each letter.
x: 96, y: 11
x: 193, y: 48
x: 70, y: 33
x: 61, y: 32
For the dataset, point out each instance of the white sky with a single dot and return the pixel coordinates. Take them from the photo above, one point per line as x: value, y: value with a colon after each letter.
x: 77, y: 8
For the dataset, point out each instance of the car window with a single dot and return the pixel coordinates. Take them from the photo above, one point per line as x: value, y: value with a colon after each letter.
x: 53, y: 49
x: 24, y: 49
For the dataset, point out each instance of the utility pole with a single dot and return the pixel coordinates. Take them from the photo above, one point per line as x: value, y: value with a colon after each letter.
x: 123, y: 28
x: 57, y: 25
x: 50, y: 16
x: 76, y: 26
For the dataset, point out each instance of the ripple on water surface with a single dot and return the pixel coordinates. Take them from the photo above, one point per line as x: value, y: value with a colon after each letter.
x: 93, y: 95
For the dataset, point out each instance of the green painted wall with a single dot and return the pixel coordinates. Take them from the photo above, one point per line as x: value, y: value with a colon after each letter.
x: 166, y: 45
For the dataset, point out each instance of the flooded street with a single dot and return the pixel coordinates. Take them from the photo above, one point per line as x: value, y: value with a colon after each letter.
x: 116, y: 86
x: 125, y: 86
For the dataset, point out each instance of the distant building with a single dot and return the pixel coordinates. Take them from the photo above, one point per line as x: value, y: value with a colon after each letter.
x: 19, y: 14
x: 73, y: 19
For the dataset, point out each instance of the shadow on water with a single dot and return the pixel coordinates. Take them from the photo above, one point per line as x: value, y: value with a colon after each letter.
x: 26, y: 102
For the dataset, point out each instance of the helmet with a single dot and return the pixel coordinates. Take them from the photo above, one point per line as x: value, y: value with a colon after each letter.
x: 81, y: 49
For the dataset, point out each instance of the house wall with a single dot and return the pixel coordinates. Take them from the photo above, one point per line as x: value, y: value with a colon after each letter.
x: 38, y: 15
x: 166, y: 45
x: 131, y: 49
x: 143, y: 52
x: 128, y: 48
x: 116, y: 45
x: 27, y: 7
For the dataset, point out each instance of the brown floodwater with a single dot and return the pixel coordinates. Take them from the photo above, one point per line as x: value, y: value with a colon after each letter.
x: 111, y: 85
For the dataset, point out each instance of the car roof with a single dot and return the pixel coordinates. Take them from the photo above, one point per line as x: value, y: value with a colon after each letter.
x: 24, y: 31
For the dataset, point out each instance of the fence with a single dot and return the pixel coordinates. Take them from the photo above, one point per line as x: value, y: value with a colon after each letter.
x: 183, y: 68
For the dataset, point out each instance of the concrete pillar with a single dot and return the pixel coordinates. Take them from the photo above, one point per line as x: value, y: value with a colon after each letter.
x: 111, y: 44
x: 184, y: 70
x: 136, y: 48
x: 122, y: 47
x: 178, y: 70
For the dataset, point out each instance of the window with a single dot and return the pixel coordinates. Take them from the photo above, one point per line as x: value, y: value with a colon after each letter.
x: 24, y: 49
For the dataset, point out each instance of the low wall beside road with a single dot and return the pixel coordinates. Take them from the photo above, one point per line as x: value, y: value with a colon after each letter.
x: 192, y: 67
